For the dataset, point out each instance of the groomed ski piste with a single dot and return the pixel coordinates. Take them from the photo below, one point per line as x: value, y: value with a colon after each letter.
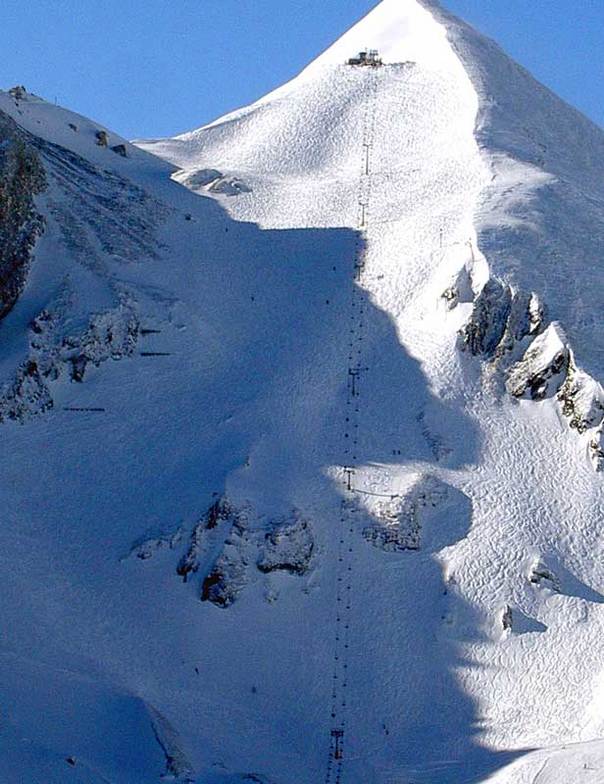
x: 344, y: 388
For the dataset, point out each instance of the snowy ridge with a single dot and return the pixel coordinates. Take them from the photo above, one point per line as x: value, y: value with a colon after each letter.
x: 312, y: 508
x: 548, y: 168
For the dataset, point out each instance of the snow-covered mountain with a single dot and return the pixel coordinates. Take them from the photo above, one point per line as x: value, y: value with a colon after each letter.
x: 303, y: 461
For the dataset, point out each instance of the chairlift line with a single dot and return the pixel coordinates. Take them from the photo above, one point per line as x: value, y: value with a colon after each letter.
x: 345, y: 562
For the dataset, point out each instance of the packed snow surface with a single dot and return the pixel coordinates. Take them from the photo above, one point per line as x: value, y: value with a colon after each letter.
x: 300, y: 465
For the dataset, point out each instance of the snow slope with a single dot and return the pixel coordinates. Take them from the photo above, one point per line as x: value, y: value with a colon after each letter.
x: 328, y: 388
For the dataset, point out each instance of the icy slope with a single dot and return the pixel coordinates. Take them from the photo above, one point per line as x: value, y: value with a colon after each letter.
x: 324, y: 402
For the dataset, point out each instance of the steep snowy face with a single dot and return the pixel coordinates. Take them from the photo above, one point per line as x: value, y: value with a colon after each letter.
x: 300, y: 459
x: 465, y: 178
x: 293, y: 158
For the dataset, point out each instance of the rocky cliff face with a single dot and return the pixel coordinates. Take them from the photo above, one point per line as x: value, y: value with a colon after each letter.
x: 21, y: 178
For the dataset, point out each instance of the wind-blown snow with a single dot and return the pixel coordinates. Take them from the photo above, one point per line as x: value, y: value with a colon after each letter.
x: 261, y: 398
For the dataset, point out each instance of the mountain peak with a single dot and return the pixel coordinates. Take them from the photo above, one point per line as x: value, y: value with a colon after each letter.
x: 401, y: 30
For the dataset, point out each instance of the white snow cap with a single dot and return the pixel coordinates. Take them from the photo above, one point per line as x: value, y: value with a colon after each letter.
x: 400, y: 30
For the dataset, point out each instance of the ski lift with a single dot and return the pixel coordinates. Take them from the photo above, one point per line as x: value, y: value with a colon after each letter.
x: 368, y: 57
x: 338, y: 736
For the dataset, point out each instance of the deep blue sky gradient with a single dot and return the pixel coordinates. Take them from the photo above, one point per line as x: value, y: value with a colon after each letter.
x: 150, y: 68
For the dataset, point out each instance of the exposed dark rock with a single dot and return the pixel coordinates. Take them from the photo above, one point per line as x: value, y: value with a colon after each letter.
x: 189, y: 563
x: 289, y: 547
x: 596, y: 450
x: 487, y: 325
x: 26, y: 396
x: 542, y: 370
x: 398, y: 521
x: 507, y: 619
x: 227, y: 577
x: 542, y: 575
x: 219, y: 512
x: 120, y: 149
x: 526, y: 319
x: 216, y: 586
x: 526, y: 315
x: 102, y: 138
x: 581, y: 399
x: 514, y: 620
x: 451, y: 297
x: 111, y: 335
x: 21, y: 178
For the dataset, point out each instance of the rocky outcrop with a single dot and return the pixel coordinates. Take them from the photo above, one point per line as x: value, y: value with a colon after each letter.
x: 220, y: 513
x: 28, y: 395
x: 485, y: 330
x: 53, y: 355
x: 231, y: 547
x: 213, y: 181
x: 526, y: 318
x: 459, y: 290
x: 514, y: 621
x: 398, y: 520
x: 120, y: 149
x: 596, y: 449
x: 582, y: 399
x: 543, y: 369
x: 110, y: 335
x: 229, y: 186
x: 102, y: 138
x: 533, y: 358
x: 501, y: 318
x: 22, y: 177
x: 227, y: 577
x: 289, y: 547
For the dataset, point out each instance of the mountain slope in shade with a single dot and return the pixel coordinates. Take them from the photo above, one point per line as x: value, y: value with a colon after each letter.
x: 302, y: 460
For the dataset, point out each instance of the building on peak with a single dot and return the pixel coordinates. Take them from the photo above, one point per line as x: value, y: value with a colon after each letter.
x: 19, y: 93
x: 368, y: 57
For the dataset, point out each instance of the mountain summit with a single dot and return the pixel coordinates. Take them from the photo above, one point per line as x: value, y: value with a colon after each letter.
x: 302, y: 416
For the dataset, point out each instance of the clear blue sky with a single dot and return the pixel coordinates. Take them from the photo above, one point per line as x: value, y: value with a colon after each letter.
x: 156, y: 67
